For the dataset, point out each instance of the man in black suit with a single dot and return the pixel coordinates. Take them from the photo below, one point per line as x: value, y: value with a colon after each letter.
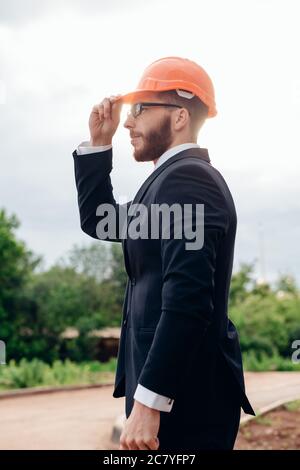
x: 179, y: 361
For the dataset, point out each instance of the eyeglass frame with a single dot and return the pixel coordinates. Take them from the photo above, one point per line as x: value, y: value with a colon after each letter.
x: 143, y: 105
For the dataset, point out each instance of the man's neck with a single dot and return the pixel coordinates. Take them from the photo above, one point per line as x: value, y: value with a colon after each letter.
x: 173, y: 151
x: 174, y: 144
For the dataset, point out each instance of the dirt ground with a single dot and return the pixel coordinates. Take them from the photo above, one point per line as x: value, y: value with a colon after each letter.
x: 277, y: 430
x: 84, y: 419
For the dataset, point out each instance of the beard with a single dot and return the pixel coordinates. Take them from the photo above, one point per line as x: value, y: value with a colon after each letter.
x: 153, y: 144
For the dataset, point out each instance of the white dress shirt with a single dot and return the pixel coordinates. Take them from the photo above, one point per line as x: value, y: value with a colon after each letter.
x: 142, y: 394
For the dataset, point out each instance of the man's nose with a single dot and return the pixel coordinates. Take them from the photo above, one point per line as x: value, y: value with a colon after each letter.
x: 129, y: 121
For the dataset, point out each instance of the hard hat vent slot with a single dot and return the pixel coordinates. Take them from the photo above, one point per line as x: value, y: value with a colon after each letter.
x: 184, y: 93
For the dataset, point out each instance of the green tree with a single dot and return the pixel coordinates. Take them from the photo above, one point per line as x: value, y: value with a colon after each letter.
x: 287, y: 284
x: 103, y: 262
x: 63, y: 298
x: 241, y: 283
x: 16, y: 265
x: 93, y: 260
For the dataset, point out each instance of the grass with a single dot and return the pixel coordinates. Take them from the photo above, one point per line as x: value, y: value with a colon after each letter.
x: 264, y: 420
x: 262, y: 363
x: 36, y: 373
x: 292, y: 406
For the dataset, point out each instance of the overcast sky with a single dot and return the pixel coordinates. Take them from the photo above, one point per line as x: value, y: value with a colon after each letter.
x: 58, y: 58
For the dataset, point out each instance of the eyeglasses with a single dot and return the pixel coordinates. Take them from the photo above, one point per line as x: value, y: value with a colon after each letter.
x: 137, y: 108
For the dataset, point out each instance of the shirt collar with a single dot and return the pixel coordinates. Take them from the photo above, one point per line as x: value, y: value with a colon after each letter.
x: 173, y: 151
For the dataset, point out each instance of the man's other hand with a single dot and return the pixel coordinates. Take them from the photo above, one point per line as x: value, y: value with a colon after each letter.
x: 141, y: 429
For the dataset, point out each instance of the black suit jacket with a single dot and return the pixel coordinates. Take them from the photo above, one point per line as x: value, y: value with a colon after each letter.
x: 176, y: 337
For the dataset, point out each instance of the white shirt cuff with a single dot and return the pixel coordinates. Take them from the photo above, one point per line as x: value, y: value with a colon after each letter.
x: 85, y: 148
x: 152, y: 399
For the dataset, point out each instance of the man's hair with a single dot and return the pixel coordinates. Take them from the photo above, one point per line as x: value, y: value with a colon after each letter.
x: 197, y: 109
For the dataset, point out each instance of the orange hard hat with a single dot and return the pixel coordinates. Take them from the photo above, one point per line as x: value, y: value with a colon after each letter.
x: 175, y: 73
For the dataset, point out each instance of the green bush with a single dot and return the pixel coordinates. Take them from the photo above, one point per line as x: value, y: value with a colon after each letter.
x: 260, y: 362
x: 267, y: 325
x: 37, y: 373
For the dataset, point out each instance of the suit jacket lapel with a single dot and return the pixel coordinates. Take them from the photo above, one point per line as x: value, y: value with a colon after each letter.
x: 201, y: 153
x: 193, y: 152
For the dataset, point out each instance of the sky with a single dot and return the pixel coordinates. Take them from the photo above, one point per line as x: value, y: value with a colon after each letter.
x: 58, y: 59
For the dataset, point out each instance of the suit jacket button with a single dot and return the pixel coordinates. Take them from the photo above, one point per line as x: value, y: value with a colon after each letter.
x: 133, y: 281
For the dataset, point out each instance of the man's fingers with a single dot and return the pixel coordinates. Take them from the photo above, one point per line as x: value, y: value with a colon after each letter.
x: 100, y: 112
x: 153, y: 444
x: 144, y: 444
x: 116, y: 106
x: 106, y: 108
x: 107, y: 104
x: 114, y: 97
x: 96, y: 108
x: 131, y: 444
x: 141, y: 445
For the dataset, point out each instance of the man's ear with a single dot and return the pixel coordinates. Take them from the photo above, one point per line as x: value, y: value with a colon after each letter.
x: 181, y: 117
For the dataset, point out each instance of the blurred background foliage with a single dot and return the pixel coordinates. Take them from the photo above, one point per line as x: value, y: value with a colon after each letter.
x: 85, y: 290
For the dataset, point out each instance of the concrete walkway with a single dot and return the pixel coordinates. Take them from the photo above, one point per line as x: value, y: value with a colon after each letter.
x: 83, y: 419
x: 266, y: 389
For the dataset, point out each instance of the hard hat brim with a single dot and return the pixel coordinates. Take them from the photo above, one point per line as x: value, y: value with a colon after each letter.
x: 145, y: 93
x: 133, y: 96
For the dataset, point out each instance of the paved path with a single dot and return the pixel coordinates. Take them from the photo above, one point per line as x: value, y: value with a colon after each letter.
x: 267, y: 388
x: 80, y: 419
x: 83, y: 419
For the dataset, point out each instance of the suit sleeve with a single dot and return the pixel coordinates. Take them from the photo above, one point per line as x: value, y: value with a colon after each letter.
x: 94, y: 188
x: 187, y: 280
